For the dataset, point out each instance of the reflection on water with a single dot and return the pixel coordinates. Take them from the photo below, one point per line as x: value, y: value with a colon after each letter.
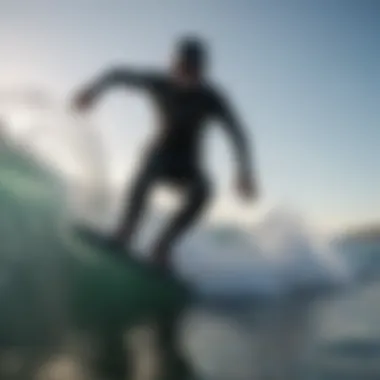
x: 279, y: 337
x: 338, y: 338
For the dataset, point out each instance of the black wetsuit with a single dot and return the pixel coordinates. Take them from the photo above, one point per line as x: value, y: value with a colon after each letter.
x: 174, y: 157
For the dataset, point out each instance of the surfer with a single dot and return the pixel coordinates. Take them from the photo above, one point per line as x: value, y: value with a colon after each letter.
x: 186, y: 100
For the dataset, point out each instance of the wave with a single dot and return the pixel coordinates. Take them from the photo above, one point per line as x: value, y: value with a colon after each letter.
x: 280, y: 254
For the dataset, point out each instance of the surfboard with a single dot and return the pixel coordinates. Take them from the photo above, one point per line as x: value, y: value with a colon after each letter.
x: 127, y: 286
x: 121, y: 253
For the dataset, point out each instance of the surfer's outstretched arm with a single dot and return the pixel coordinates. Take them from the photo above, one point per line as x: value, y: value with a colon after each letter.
x: 243, y: 150
x: 115, y: 77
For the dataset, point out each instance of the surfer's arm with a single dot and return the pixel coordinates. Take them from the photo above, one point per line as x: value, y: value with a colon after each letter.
x: 246, y: 179
x: 234, y: 128
x: 113, y: 78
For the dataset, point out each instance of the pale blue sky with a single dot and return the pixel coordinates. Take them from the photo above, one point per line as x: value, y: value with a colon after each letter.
x: 305, y: 76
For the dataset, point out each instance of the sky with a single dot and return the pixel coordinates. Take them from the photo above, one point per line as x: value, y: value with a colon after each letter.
x: 303, y: 75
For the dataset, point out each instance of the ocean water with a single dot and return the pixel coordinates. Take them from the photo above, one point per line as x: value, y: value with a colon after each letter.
x: 275, y: 300
x: 329, y: 338
x: 319, y: 336
x: 314, y: 311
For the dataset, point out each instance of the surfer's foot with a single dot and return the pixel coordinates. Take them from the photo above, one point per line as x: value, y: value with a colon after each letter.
x: 160, y: 259
x: 115, y: 243
x: 117, y: 246
x: 160, y: 264
x: 121, y: 237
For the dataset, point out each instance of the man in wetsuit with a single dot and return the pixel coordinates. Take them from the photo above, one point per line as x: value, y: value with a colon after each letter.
x: 186, y: 102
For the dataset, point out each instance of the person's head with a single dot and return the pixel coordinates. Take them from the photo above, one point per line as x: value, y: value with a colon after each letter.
x: 190, y: 58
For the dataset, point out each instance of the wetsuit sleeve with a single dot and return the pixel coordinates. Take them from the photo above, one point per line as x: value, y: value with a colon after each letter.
x: 225, y: 113
x: 124, y: 77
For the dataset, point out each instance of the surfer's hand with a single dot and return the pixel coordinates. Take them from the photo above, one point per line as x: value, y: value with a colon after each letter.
x: 83, y: 101
x: 247, y: 187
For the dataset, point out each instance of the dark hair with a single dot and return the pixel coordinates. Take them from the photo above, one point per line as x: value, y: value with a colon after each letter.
x: 192, y: 51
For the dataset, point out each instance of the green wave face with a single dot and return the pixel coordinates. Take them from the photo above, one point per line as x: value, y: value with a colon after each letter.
x: 53, y: 277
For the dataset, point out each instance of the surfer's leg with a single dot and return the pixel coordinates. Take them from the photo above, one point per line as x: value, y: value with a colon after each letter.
x: 198, y: 194
x: 136, y: 204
